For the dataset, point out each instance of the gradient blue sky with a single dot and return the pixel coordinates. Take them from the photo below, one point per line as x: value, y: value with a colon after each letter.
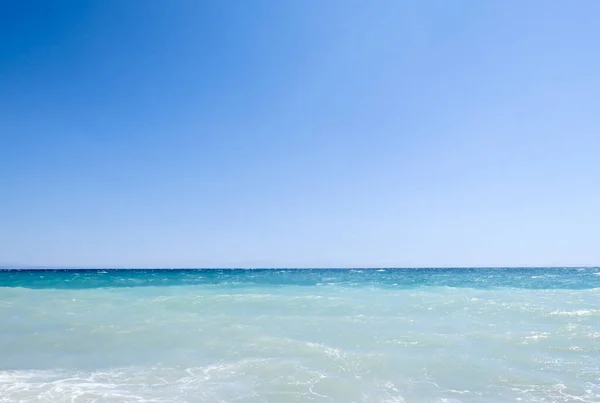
x: 299, y: 133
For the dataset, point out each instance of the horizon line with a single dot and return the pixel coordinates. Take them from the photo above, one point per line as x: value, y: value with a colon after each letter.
x: 75, y: 268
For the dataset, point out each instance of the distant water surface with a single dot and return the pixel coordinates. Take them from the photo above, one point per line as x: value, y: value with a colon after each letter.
x: 336, y: 335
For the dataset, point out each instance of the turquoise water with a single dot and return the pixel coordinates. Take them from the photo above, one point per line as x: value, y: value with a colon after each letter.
x: 414, y: 335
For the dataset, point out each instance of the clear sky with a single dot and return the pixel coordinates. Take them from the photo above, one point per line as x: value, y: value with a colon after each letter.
x: 299, y: 133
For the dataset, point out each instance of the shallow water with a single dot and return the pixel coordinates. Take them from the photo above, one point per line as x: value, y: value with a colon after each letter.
x: 415, y: 335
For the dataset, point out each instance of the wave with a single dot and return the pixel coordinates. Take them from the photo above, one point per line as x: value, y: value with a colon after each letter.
x: 578, y: 312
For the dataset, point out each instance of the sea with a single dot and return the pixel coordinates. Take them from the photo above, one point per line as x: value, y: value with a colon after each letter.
x: 304, y: 335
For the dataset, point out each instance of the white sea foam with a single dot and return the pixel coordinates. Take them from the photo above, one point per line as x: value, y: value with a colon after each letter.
x: 578, y: 312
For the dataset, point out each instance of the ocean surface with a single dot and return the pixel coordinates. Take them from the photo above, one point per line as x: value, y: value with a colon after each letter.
x: 393, y: 335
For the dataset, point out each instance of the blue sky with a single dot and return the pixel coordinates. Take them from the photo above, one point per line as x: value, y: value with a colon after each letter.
x: 299, y: 133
